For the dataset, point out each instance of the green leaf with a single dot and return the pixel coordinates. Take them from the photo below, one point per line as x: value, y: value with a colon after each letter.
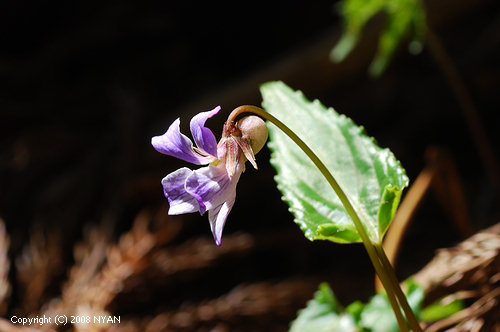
x: 323, y: 314
x: 403, y: 17
x: 378, y: 316
x: 370, y: 176
x: 438, y: 310
x: 355, y: 310
x: 388, y: 206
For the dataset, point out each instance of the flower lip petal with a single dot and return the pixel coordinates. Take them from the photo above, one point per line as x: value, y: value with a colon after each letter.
x: 176, y: 144
x: 203, y: 137
x: 210, y: 186
x: 179, y: 199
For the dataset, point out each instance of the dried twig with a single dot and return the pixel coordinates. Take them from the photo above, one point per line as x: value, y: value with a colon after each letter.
x: 41, y: 258
x: 472, y: 269
x: 199, y: 253
x: 266, y: 305
x: 101, y: 269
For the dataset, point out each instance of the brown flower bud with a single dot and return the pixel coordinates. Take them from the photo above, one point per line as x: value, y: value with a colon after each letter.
x: 254, y: 130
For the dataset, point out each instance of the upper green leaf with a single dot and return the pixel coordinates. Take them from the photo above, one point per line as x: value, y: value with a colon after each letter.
x: 370, y: 176
x: 403, y: 17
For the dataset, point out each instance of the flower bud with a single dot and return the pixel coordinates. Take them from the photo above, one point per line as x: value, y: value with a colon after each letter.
x: 253, y: 129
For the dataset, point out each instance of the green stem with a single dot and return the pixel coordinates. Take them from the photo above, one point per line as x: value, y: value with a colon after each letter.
x: 372, y: 253
x: 389, y: 288
x: 399, y: 293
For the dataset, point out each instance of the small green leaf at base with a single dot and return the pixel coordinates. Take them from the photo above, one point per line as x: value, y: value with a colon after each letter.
x: 323, y: 314
x: 378, y: 316
x: 438, y: 311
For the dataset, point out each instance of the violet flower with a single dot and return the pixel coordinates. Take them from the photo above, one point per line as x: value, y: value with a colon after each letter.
x: 211, y: 188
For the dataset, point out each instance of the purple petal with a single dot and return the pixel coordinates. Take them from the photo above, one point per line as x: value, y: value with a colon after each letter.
x: 175, y: 144
x: 203, y: 137
x: 179, y: 200
x: 211, y: 186
x: 215, y: 192
x: 217, y: 218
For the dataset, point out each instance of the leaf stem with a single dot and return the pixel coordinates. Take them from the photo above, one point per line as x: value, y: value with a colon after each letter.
x: 371, y: 250
x: 399, y: 293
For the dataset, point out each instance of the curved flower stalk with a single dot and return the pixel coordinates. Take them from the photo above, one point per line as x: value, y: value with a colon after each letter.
x: 211, y: 188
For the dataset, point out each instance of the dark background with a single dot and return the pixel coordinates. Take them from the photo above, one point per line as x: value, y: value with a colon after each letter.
x: 84, y: 87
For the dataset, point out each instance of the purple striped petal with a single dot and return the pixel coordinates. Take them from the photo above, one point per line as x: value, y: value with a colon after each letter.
x: 176, y: 144
x: 203, y: 137
x: 179, y: 200
x: 215, y: 192
x: 211, y: 186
